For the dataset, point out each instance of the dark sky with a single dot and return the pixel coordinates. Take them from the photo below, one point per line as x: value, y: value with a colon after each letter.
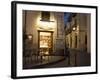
x: 66, y: 15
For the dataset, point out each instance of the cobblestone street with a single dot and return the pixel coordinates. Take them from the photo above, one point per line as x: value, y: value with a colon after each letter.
x: 76, y: 58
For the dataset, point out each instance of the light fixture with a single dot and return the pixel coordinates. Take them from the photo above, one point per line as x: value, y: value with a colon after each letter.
x: 74, y: 28
x: 30, y: 37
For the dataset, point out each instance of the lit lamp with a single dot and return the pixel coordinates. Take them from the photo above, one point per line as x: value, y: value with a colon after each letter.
x: 30, y: 37
x: 74, y: 28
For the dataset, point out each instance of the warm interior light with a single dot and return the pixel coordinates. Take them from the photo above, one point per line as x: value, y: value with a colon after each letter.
x: 46, y: 52
x: 45, y: 40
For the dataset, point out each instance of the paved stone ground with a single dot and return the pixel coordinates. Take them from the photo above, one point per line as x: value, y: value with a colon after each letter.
x: 77, y: 58
x: 80, y: 58
x: 46, y: 60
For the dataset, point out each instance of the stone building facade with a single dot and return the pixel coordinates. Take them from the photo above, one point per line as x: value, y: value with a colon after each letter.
x: 45, y: 36
x: 78, y: 35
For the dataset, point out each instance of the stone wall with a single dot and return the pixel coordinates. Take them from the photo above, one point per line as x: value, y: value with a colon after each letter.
x: 33, y: 25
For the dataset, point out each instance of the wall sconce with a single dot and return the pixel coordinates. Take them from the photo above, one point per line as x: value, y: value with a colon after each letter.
x: 74, y: 28
x: 30, y: 37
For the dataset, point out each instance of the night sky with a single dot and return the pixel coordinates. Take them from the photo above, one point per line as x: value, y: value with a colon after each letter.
x: 66, y: 15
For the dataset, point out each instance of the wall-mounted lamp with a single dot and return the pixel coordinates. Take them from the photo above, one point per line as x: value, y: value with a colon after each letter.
x: 74, y: 28
x: 30, y: 37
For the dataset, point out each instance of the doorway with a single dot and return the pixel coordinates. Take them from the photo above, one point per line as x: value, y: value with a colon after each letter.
x: 45, y: 40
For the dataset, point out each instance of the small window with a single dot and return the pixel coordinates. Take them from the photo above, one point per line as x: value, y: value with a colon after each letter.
x: 85, y: 39
x: 74, y: 14
x: 75, y: 41
x: 75, y: 22
x: 45, y: 16
x: 70, y: 42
